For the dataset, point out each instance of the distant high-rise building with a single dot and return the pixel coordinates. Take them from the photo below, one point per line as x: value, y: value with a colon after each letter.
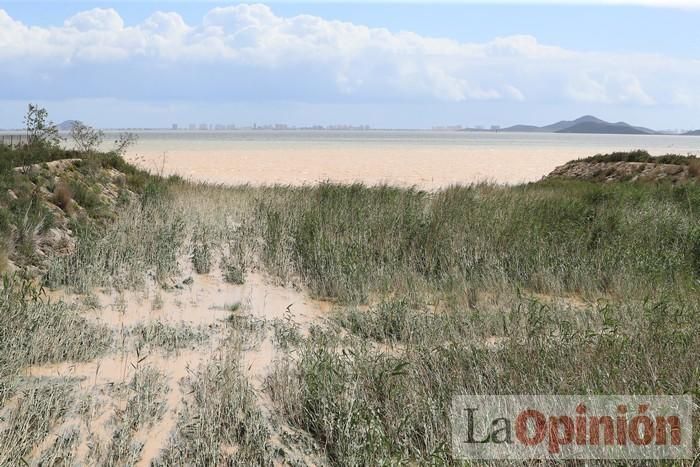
x: 174, y: 127
x: 193, y: 126
x: 203, y: 126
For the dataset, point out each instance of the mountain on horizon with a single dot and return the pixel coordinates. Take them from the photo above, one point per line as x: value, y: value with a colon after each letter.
x: 585, y: 124
x: 67, y: 125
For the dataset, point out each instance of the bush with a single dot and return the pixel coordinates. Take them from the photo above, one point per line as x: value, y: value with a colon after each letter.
x: 86, y: 138
x: 86, y: 196
x: 233, y: 265
x: 234, y: 273
x: 642, y: 156
x: 40, y: 130
x: 63, y: 197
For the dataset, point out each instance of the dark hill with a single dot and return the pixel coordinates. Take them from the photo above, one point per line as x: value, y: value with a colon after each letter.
x: 585, y: 124
x: 67, y: 125
x: 603, y: 128
x: 564, y: 124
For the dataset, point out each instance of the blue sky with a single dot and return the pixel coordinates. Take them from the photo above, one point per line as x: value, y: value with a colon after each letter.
x: 407, y: 65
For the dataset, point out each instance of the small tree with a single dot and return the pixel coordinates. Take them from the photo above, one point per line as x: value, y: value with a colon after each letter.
x: 40, y: 130
x: 123, y: 142
x: 86, y: 138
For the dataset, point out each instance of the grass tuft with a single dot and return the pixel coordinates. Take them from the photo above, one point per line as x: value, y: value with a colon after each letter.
x: 39, y: 408
x: 168, y: 337
x: 63, y: 197
x: 222, y: 425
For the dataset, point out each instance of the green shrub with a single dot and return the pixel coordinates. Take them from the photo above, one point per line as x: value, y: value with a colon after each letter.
x: 86, y: 196
x: 642, y: 156
x: 234, y: 273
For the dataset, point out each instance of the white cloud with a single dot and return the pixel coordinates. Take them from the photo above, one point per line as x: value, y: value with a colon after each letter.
x: 514, y: 92
x: 307, y: 53
x: 616, y: 87
x: 97, y: 19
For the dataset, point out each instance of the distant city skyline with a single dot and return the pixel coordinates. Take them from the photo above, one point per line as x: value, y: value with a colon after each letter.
x: 151, y: 64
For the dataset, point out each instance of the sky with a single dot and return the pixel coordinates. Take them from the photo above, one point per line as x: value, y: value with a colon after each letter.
x: 388, y: 65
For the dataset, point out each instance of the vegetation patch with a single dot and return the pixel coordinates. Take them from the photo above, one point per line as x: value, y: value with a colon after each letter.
x: 36, y: 331
x: 222, y: 425
x: 39, y: 408
x: 168, y: 337
x: 145, y: 405
x: 431, y: 294
x: 371, y: 407
x: 556, y: 237
x: 641, y: 156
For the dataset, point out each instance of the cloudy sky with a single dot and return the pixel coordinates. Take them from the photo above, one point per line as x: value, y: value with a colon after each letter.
x: 397, y: 65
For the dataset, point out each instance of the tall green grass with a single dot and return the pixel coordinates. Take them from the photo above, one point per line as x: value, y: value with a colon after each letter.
x: 348, y: 242
x: 144, y: 240
x: 34, y: 330
x: 370, y: 405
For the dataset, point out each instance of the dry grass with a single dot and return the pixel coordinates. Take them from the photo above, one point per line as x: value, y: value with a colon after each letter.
x: 371, y: 405
x: 63, y: 197
x: 694, y: 168
x: 35, y: 331
x: 62, y: 450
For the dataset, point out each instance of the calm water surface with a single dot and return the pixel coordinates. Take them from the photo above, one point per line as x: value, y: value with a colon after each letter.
x: 425, y: 159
